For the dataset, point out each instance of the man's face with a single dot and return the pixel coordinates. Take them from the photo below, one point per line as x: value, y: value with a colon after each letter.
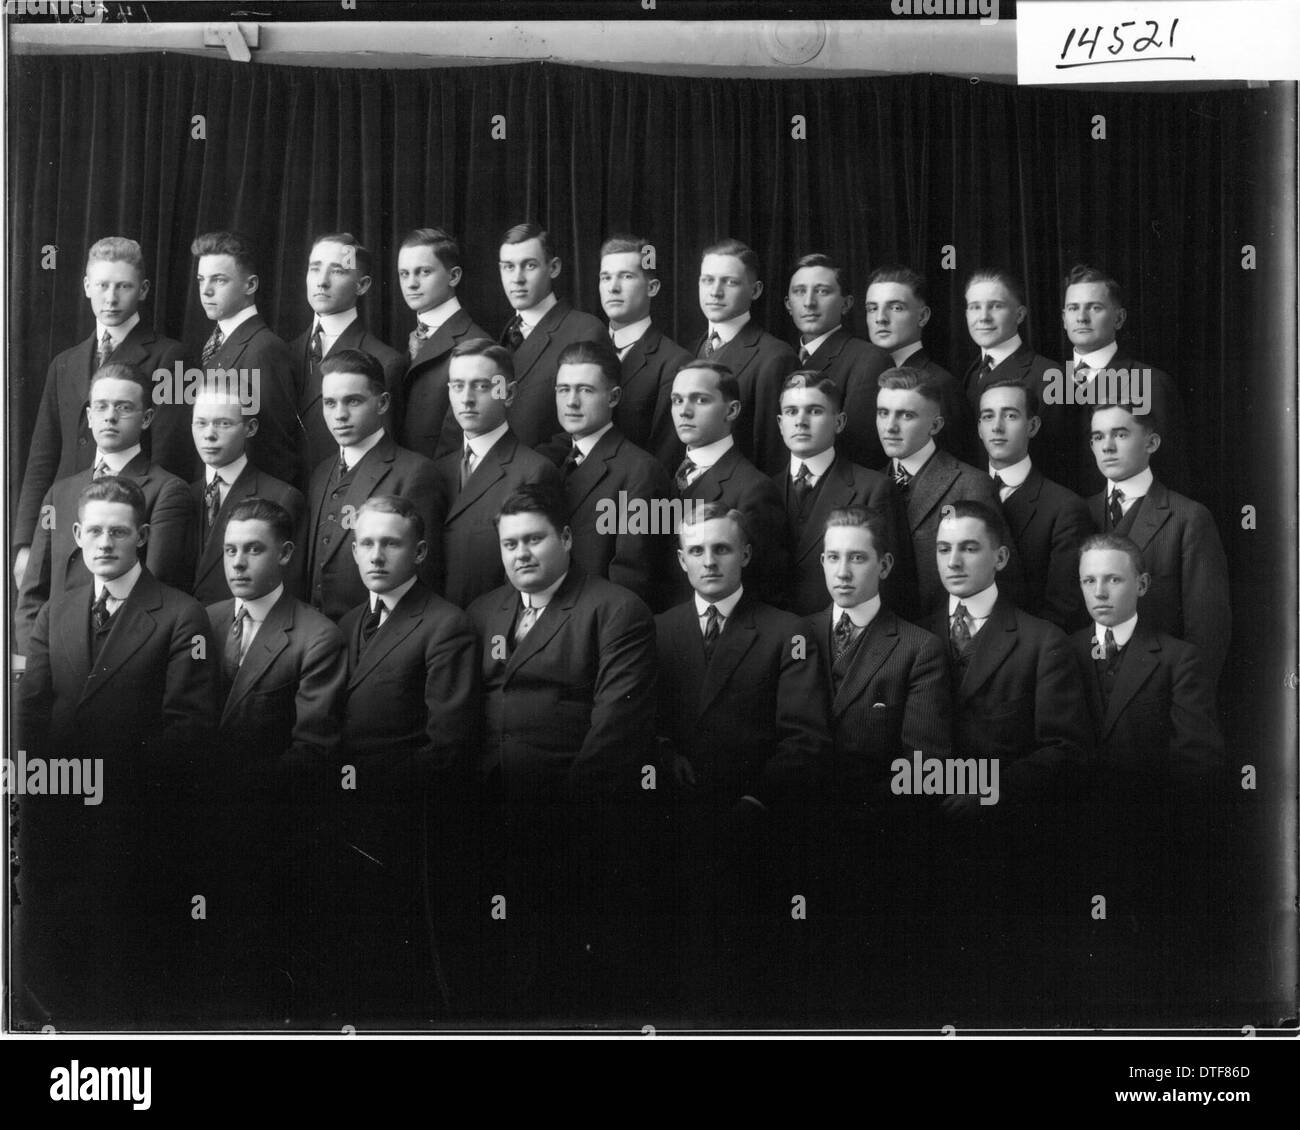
x: 220, y: 430
x: 479, y: 394
x: 713, y: 554
x: 526, y: 273
x: 809, y: 422
x: 108, y: 538
x: 1005, y: 430
x: 816, y: 303
x: 992, y: 314
x: 894, y: 315
x: 254, y: 558
x: 584, y: 399
x: 852, y: 567
x: 1121, y: 446
x: 905, y: 421
x: 534, y: 553
x: 117, y: 414
x: 1111, y: 585
x: 224, y: 289
x: 115, y: 290
x: 1090, y: 316
x: 700, y: 414
x: 726, y: 289
x: 334, y: 281
x: 353, y: 410
x: 625, y: 291
x: 386, y: 551
x: 967, y: 558
x: 426, y: 283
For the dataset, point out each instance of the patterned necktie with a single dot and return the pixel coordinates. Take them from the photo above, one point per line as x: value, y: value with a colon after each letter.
x: 515, y: 333
x: 961, y: 636
x: 101, y: 469
x: 212, y: 504
x: 105, y: 350
x: 1115, y: 511
x: 234, y: 652
x: 684, y: 473
x: 712, y: 629
x: 370, y: 623
x: 842, y: 636
x: 572, y: 460
x: 802, y: 485
x: 212, y: 345
x: 711, y: 345
x: 466, y: 465
x: 316, y: 347
x: 343, y: 464
x: 1082, y: 374
x: 99, y: 614
x: 803, y: 355
x: 1112, y: 648
x: 418, y: 337
x: 901, y: 475
x: 986, y: 367
x: 526, y: 622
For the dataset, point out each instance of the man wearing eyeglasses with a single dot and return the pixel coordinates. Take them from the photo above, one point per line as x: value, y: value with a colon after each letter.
x: 120, y: 414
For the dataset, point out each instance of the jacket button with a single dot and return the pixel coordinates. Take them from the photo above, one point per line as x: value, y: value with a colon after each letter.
x: 82, y: 441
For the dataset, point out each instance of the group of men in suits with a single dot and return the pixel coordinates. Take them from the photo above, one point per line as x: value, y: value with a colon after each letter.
x: 430, y: 674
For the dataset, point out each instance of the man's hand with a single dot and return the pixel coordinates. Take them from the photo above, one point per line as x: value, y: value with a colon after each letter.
x: 20, y: 564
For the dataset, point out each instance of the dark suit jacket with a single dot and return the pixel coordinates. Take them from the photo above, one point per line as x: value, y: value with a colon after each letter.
x: 644, y: 414
x: 532, y: 412
x: 1048, y: 524
x: 282, y: 715
x: 570, y: 710
x: 471, y: 554
x: 960, y: 435
x: 845, y: 484
x: 855, y: 366
x: 609, y: 540
x: 61, y: 441
x: 333, y: 583
x: 760, y: 363
x: 736, y: 482
x: 315, y: 434
x: 209, y: 569
x: 894, y: 699
x: 1189, y: 596
x: 420, y: 398
x: 753, y: 721
x: 1020, y: 702
x: 56, y: 565
x: 277, y: 448
x: 1052, y: 448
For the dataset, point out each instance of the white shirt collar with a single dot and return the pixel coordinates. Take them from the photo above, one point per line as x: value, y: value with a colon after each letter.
x: 901, y: 354
x: 980, y: 606
x: 1123, y: 632
x: 818, y: 464
x: 704, y: 457
x: 332, y: 325
x: 1016, y: 474
x: 117, y: 460
x: 229, y: 325
x: 439, y: 314
x: 229, y: 473
x: 1002, y: 351
x: 542, y: 600
x: 728, y: 329
x: 860, y: 614
x: 116, y: 333
x: 918, y: 459
x: 535, y: 314
x: 1139, y: 486
x: 1098, y: 358
x: 817, y: 342
x: 261, y: 606
x: 119, y: 588
x: 586, y: 443
x: 354, y: 452
x: 629, y: 335
x: 726, y: 606
x: 481, y: 445
x: 392, y: 599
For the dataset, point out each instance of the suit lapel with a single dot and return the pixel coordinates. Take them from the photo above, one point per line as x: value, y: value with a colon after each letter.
x: 271, y: 639
x: 402, y: 621
x: 370, y: 472
x: 737, y: 637
x: 490, y: 470
x: 930, y: 484
x: 991, y: 647
x: 134, y: 625
x: 1153, y: 513
x: 1023, y: 503
x: 881, y: 639
x: 1139, y: 662
x: 243, y: 487
x: 589, y: 474
x: 439, y: 342
x: 836, y: 492
x: 709, y: 486
x: 133, y: 349
x: 550, y: 621
x: 535, y: 344
x: 71, y: 617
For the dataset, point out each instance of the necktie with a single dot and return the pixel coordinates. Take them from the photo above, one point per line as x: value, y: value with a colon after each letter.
x: 803, y: 355
x: 466, y: 465
x: 343, y: 464
x: 370, y: 623
x: 961, y: 637
x: 986, y: 367
x: 1112, y: 648
x: 105, y: 350
x: 1115, y: 511
x: 418, y: 337
x: 212, y: 345
x: 101, y: 469
x: 1109, y: 665
x: 711, y: 345
x: 802, y: 485
x: 712, y: 629
x: 1081, y: 374
x: 99, y: 614
x: 684, y: 473
x: 212, y: 503
x: 999, y: 485
x: 571, y: 460
x: 842, y: 636
x: 315, y: 348
x: 234, y: 652
x: 526, y: 622
x: 901, y: 475
x: 515, y: 333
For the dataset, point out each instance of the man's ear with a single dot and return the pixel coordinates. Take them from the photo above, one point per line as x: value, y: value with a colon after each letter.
x: 886, y: 564
x: 1120, y: 315
x: 923, y: 317
x: 252, y: 426
x: 146, y: 419
x: 144, y: 290
x: 755, y: 289
x: 1035, y: 422
x: 251, y: 284
x: 652, y: 287
x: 1001, y: 558
x: 849, y: 299
x: 615, y: 395
x: 745, y: 557
x: 1143, y: 583
x: 841, y: 420
x: 936, y: 426
x: 363, y: 284
x: 553, y: 268
x: 385, y: 399
x: 286, y: 551
x: 733, y: 410
x: 421, y: 551
x: 1021, y: 312
x: 142, y: 535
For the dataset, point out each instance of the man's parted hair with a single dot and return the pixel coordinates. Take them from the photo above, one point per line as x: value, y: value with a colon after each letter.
x: 232, y: 243
x: 905, y: 276
x: 115, y: 488
x: 116, y: 371
x: 734, y: 247
x: 708, y: 512
x: 818, y: 382
x: 1150, y: 419
x: 1115, y: 542
x: 522, y: 233
x: 1085, y: 273
x: 116, y: 249
x: 365, y: 261
x: 993, y: 520
x: 912, y: 380
x: 499, y: 355
x: 394, y: 504
x: 1001, y: 275
x: 621, y: 244
x: 862, y: 518
x: 728, y: 384
x: 819, y: 259
x: 356, y: 361
x: 445, y: 248
x: 264, y: 510
x: 1033, y: 402
x: 599, y: 352
x: 545, y: 499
